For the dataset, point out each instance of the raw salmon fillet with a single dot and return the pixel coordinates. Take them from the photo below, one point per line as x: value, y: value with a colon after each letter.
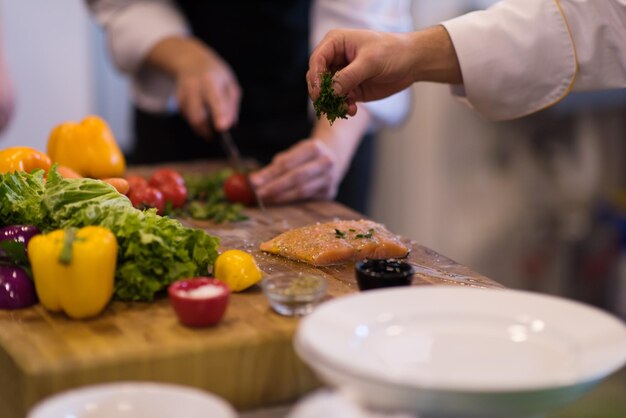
x: 337, y: 242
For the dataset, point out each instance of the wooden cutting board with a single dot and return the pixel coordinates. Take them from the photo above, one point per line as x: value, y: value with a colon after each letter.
x: 248, y: 359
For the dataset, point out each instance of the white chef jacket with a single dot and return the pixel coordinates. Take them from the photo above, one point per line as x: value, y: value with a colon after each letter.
x: 133, y: 27
x: 521, y: 56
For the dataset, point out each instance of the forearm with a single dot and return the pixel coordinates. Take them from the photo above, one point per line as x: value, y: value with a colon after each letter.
x: 134, y: 27
x: 435, y: 56
x: 343, y: 136
x: 177, y: 55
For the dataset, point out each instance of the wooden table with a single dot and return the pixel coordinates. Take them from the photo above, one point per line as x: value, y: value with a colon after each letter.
x: 248, y: 359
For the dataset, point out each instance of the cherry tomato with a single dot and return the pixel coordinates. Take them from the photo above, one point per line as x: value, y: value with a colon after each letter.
x: 174, y: 193
x: 238, y: 190
x: 147, y: 197
x: 171, y: 184
x: 136, y: 183
x: 164, y: 176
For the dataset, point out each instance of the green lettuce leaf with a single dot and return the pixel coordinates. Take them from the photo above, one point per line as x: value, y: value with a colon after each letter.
x: 80, y: 202
x: 20, y: 198
x: 154, y: 251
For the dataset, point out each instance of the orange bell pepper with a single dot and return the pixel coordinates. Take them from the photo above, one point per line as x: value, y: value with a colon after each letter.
x: 88, y: 147
x: 23, y: 159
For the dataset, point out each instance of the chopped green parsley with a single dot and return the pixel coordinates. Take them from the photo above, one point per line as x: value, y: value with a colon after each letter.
x: 328, y: 102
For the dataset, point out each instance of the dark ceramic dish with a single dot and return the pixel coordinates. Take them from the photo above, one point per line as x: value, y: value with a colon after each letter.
x: 374, y: 274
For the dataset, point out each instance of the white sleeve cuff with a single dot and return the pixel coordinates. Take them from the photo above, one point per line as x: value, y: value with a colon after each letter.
x: 516, y: 58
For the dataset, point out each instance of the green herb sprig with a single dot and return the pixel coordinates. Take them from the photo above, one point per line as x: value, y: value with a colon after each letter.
x: 367, y: 235
x: 328, y: 102
x: 341, y: 234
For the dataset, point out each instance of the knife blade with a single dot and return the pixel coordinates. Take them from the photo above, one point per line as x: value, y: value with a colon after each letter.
x: 234, y: 159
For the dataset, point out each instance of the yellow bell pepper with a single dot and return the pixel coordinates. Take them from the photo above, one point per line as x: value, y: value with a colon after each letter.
x: 74, y: 270
x: 88, y: 147
x: 23, y: 159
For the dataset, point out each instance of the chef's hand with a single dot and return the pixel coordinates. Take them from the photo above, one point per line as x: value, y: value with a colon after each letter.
x: 206, y: 86
x: 307, y: 170
x: 372, y: 65
x: 313, y: 168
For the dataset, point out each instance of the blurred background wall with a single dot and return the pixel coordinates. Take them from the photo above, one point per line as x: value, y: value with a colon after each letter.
x: 60, y: 69
x: 529, y: 203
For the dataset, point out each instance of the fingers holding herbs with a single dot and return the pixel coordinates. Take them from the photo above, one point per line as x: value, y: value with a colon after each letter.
x: 369, y: 65
x: 329, y: 103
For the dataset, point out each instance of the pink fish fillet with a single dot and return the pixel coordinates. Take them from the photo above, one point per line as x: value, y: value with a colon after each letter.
x: 337, y: 242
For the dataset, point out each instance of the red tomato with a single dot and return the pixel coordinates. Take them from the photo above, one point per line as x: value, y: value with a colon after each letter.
x: 171, y: 184
x: 238, y: 190
x: 165, y: 175
x: 148, y: 197
x: 136, y: 183
x: 174, y: 193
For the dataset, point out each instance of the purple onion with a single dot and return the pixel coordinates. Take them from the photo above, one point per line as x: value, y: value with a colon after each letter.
x: 16, y: 288
x: 18, y: 233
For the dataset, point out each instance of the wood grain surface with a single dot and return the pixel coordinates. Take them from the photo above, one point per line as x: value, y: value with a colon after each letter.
x: 248, y: 358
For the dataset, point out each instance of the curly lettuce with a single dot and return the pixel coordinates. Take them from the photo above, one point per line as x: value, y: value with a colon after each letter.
x: 20, y: 198
x: 154, y: 251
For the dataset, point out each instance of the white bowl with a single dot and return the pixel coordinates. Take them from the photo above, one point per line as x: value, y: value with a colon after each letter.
x: 461, y: 352
x: 133, y: 400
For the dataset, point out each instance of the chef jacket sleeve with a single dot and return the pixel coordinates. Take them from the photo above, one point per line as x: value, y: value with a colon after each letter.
x: 521, y: 56
x: 381, y: 15
x: 133, y: 28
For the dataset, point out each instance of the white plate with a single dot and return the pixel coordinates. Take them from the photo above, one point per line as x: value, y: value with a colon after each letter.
x: 133, y: 400
x: 461, y: 351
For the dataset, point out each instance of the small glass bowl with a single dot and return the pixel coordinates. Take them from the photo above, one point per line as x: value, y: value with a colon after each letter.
x: 294, y: 293
x: 378, y: 273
